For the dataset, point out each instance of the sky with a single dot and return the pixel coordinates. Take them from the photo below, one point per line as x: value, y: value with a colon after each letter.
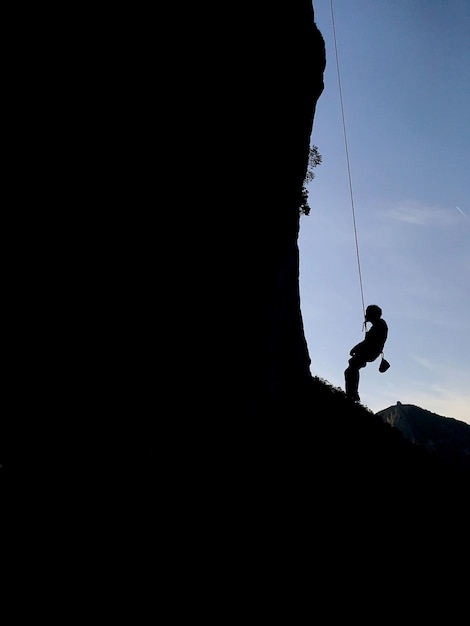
x: 390, y: 203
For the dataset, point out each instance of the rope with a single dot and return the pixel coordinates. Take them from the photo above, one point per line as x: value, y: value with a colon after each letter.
x: 347, y: 157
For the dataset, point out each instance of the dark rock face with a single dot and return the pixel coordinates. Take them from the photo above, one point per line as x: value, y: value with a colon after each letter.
x: 289, y: 99
x: 264, y: 75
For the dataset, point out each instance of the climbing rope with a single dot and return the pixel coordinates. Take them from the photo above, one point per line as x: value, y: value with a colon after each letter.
x: 347, y: 156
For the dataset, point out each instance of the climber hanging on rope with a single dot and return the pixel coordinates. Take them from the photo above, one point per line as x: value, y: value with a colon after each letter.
x: 366, y: 351
x: 372, y: 346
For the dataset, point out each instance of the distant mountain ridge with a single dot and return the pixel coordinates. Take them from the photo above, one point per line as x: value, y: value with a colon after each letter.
x: 444, y: 437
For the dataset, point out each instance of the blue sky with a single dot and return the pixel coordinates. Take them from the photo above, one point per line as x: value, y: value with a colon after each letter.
x: 405, y: 78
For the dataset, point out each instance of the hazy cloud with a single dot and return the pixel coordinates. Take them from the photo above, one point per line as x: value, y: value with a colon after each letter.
x: 414, y: 212
x: 423, y: 362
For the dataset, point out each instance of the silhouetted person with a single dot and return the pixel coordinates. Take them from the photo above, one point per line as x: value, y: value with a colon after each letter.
x: 366, y: 351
